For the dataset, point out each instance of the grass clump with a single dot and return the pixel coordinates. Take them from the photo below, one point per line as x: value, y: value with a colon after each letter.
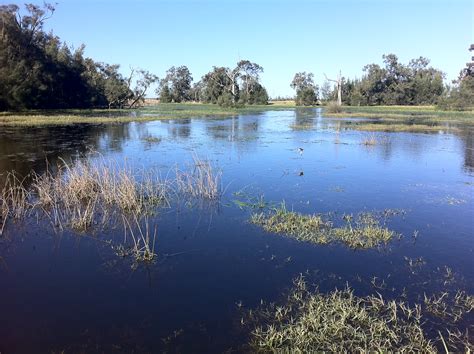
x: 363, y: 231
x: 152, y: 139
x: 360, y: 232
x: 204, y: 181
x: 333, y: 107
x: 143, y: 240
x: 14, y: 200
x: 310, y: 228
x: 369, y: 140
x: 75, y: 196
x: 337, y: 322
x: 452, y: 308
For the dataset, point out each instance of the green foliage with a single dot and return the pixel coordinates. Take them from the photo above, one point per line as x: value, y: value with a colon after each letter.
x: 461, y: 97
x: 232, y: 87
x: 395, y: 84
x: 226, y: 100
x: 306, y: 97
x: 39, y: 71
x: 306, y: 90
x: 177, y: 85
x: 165, y: 95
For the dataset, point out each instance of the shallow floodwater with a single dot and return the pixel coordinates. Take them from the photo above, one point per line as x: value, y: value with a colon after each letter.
x: 69, y: 291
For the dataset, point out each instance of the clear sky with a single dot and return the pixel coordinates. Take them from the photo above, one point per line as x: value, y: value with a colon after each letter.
x: 283, y: 36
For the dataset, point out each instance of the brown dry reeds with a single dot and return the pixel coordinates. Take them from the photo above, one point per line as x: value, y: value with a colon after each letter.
x: 76, y: 195
x: 14, y: 201
x: 203, y: 182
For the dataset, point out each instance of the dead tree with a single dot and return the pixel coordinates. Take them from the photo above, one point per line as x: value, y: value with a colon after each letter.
x: 338, y: 86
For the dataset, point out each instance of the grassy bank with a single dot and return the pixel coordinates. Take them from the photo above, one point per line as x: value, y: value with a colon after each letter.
x: 379, y: 118
x: 148, y: 113
x: 407, y: 114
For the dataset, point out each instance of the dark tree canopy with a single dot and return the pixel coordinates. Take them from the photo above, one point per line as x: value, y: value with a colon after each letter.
x: 38, y: 70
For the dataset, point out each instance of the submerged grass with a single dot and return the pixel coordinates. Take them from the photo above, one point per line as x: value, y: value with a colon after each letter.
x: 309, y: 321
x: 360, y: 232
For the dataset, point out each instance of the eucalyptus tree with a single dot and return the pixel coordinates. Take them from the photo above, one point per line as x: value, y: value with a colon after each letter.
x: 250, y: 80
x: 306, y: 90
x: 178, y: 82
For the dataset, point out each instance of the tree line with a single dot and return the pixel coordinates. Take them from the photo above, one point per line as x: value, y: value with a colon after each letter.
x: 394, y: 83
x: 225, y: 86
x: 39, y: 71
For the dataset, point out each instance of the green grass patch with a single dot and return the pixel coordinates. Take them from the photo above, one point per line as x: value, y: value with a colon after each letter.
x: 148, y: 113
x: 337, y: 322
x: 421, y: 115
x: 360, y: 232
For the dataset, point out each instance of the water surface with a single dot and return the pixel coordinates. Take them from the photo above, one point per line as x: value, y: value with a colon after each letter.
x: 69, y: 291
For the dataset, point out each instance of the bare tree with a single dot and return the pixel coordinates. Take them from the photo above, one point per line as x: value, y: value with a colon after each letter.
x: 338, y: 82
x: 144, y: 81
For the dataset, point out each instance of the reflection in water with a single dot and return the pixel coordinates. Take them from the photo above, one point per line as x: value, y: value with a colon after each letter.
x: 179, y: 128
x: 32, y: 149
x: 467, y: 139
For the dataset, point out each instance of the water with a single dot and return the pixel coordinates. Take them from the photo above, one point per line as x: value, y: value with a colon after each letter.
x: 68, y: 291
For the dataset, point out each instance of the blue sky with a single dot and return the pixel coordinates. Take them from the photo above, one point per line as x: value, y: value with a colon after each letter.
x: 283, y: 36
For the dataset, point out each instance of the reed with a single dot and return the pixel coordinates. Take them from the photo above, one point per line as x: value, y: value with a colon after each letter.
x: 369, y: 140
x: 143, y: 249
x: 14, y: 200
x: 203, y: 182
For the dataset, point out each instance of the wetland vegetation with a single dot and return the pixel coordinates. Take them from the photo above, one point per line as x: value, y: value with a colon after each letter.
x: 170, y: 208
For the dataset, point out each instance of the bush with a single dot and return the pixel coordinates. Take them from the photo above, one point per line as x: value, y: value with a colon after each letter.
x: 333, y: 107
x: 225, y: 100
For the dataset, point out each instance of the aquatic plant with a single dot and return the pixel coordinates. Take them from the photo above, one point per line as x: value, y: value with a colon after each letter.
x: 302, y: 227
x: 363, y: 231
x: 369, y: 140
x: 309, y: 321
x: 75, y: 195
x: 143, y: 249
x: 152, y: 139
x: 333, y: 107
x: 446, y: 306
x: 204, y: 181
x: 13, y: 200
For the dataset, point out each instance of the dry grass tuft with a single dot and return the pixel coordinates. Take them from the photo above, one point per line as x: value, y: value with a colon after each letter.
x: 370, y: 140
x: 75, y: 195
x: 203, y: 182
x: 14, y: 200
